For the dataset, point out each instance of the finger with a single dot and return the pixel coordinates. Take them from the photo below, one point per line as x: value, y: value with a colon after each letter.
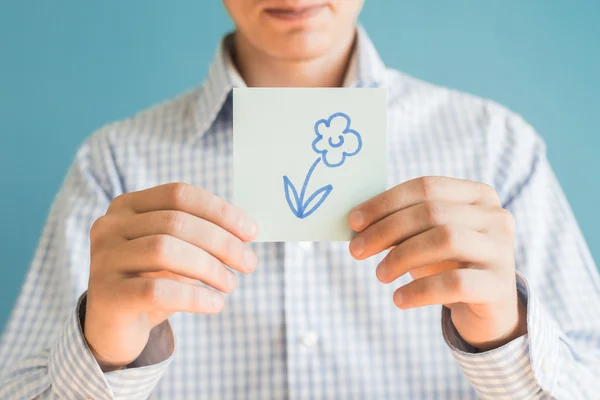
x: 419, y: 218
x: 417, y: 191
x: 169, y: 296
x: 191, y: 200
x: 201, y: 233
x: 442, y: 243
x: 166, y: 253
x: 464, y: 285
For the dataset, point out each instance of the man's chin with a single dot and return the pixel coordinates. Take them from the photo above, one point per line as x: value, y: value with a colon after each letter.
x: 299, y: 49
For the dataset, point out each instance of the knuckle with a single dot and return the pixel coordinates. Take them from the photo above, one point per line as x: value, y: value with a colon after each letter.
x: 118, y: 202
x: 206, y: 268
x: 178, y: 194
x: 434, y: 213
x: 398, y: 227
x: 380, y: 233
x: 159, y: 248
x: 98, y: 228
x: 421, y: 287
x: 456, y: 282
x: 449, y: 237
x: 488, y: 192
x: 223, y: 210
x: 385, y: 204
x: 227, y: 242
x: 152, y: 292
x: 174, y: 222
x: 427, y: 291
x: 428, y: 185
x: 507, y: 221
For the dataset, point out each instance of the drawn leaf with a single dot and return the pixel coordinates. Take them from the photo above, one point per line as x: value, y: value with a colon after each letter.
x: 293, y: 204
x: 317, y: 198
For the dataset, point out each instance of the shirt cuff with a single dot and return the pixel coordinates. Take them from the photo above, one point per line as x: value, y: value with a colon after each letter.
x: 75, y: 373
x: 526, y: 367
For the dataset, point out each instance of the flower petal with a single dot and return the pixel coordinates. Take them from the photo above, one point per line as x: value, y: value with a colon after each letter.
x: 320, y: 145
x: 332, y: 127
x: 335, y: 139
x: 339, y: 124
x: 351, y: 143
x: 334, y: 157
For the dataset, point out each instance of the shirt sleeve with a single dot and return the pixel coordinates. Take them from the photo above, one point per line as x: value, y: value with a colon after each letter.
x: 557, y: 278
x: 43, y: 352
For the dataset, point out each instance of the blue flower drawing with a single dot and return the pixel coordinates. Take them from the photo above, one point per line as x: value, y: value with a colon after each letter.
x: 335, y: 142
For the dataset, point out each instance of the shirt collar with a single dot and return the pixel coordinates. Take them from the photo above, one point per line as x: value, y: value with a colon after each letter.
x: 366, y: 70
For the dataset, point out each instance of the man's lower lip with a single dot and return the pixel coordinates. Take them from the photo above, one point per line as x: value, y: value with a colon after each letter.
x: 295, y: 15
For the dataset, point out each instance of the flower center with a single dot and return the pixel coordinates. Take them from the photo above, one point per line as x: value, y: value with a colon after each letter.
x: 338, y: 144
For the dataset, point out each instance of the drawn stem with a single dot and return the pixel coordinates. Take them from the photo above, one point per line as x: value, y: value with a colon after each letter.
x: 303, y: 191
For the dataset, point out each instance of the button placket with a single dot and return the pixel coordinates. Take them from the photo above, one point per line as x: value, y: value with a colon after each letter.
x: 295, y: 259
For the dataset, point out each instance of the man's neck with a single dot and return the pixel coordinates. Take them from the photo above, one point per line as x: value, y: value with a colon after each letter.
x: 260, y: 70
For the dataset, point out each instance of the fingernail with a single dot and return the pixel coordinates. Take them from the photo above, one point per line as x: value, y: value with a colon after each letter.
x: 357, y: 219
x: 247, y: 227
x: 398, y: 298
x: 380, y: 269
x: 217, y: 300
x: 357, y: 246
x: 251, y: 259
x: 231, y: 280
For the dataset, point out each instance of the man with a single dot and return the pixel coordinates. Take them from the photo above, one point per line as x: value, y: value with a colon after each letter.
x: 309, y: 320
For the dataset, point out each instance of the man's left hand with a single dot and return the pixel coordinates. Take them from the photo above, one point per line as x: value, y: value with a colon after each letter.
x: 457, y: 242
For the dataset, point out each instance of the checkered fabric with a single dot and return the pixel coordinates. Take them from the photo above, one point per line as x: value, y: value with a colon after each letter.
x: 311, y: 322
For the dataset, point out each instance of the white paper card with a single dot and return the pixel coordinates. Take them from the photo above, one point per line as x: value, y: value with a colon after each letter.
x: 303, y: 158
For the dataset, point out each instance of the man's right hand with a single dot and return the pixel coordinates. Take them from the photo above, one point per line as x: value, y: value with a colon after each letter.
x: 147, y: 255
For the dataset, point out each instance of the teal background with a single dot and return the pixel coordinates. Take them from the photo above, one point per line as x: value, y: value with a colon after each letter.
x: 67, y: 67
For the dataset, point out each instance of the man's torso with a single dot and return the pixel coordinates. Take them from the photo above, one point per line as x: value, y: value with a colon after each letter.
x: 310, y: 322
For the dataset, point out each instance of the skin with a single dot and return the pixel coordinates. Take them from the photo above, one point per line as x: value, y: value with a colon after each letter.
x: 164, y: 250
x: 308, y: 53
x: 457, y: 242
x: 148, y: 253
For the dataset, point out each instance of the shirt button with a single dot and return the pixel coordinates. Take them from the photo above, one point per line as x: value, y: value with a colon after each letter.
x: 309, y: 339
x: 306, y: 246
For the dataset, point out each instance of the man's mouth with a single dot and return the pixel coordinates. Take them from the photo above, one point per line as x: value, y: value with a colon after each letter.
x: 295, y: 13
